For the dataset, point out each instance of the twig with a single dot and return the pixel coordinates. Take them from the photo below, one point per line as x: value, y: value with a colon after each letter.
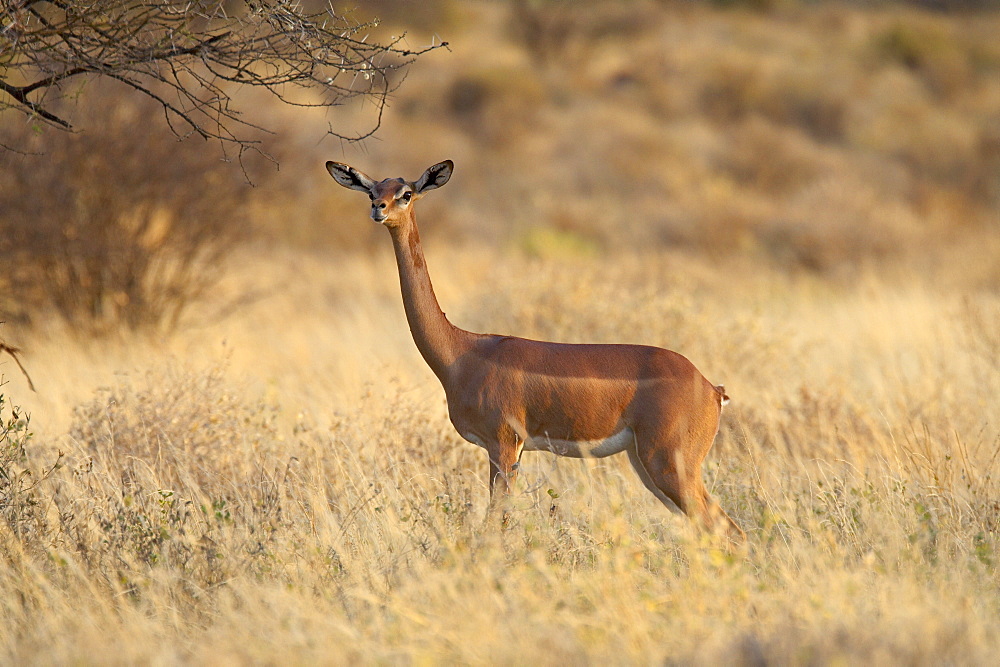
x: 13, y: 352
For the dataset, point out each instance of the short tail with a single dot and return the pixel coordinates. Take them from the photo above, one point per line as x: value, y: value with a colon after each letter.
x: 723, y: 397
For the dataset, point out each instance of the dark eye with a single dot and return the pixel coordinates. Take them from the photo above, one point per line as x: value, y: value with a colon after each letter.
x: 371, y: 196
x: 406, y: 197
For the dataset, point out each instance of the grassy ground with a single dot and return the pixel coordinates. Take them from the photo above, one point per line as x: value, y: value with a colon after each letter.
x: 277, y: 481
x: 259, y: 491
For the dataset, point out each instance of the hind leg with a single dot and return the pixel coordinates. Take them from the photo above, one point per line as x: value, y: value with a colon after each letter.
x: 675, y: 479
x: 719, y: 518
x: 648, y: 482
x: 669, y: 478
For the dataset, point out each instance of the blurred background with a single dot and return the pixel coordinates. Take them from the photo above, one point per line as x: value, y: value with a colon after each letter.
x: 810, y: 136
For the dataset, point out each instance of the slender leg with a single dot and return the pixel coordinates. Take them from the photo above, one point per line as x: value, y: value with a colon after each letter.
x: 719, y: 518
x: 679, y: 486
x: 504, y: 464
x: 504, y: 454
x: 640, y: 470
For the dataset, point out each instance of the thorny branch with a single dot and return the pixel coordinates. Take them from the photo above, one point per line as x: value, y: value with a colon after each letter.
x: 188, y: 55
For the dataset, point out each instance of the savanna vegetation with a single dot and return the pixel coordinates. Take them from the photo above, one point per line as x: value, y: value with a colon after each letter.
x: 235, y: 452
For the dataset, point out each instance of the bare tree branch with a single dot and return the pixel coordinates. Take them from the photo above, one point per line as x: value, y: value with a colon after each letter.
x: 188, y: 55
x: 13, y: 352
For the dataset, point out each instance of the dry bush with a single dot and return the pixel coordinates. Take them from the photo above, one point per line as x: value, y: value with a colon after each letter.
x: 553, y: 32
x: 19, y: 504
x: 119, y: 226
x: 932, y: 49
x: 188, y: 428
x: 792, y: 162
x: 496, y: 104
x: 835, y: 224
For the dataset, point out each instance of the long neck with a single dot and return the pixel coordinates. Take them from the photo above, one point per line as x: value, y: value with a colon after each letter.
x: 439, y: 341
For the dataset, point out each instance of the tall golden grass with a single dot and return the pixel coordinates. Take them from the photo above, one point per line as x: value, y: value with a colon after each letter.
x: 277, y: 481
x: 263, y: 491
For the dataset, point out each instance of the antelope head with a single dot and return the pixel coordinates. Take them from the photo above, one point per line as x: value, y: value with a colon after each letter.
x: 392, y: 199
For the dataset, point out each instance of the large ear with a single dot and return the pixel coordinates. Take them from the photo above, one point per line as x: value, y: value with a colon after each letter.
x: 434, y: 177
x: 350, y: 177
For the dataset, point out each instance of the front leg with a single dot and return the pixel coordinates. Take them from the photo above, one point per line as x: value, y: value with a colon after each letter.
x: 505, y: 454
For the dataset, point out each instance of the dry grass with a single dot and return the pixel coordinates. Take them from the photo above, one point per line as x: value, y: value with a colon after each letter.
x: 309, y: 500
x: 277, y: 481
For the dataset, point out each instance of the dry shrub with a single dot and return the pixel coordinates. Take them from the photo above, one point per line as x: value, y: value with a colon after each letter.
x: 555, y: 31
x: 121, y: 225
x: 772, y: 159
x: 929, y: 48
x: 898, y: 120
x: 838, y: 223
x: 184, y: 472
x: 161, y: 470
x: 811, y: 95
x: 20, y: 506
x: 756, y: 5
x: 495, y: 105
x: 190, y: 429
x: 729, y: 90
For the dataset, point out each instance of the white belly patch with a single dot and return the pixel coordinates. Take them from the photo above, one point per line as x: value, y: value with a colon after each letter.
x: 613, y: 444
